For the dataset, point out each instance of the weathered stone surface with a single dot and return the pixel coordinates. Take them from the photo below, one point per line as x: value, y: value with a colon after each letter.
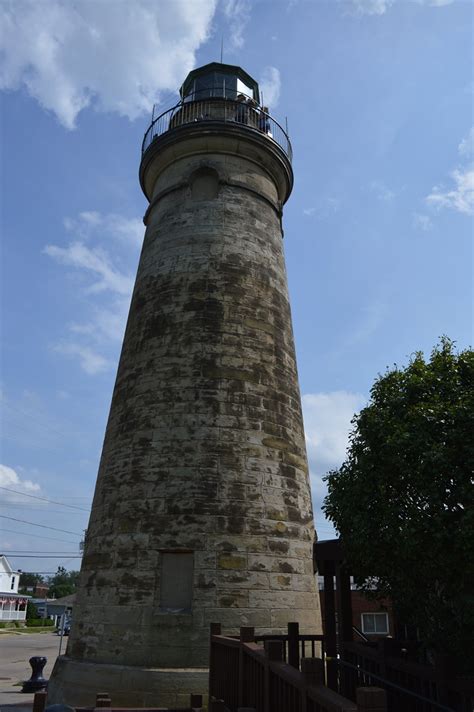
x: 127, y: 685
x: 204, y: 450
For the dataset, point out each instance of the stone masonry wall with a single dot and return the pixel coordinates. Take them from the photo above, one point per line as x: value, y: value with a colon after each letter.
x: 204, y: 448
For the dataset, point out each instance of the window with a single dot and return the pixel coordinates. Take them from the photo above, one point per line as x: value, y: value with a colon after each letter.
x: 176, y: 590
x: 204, y: 184
x: 214, y: 84
x: 375, y: 623
x: 13, y: 584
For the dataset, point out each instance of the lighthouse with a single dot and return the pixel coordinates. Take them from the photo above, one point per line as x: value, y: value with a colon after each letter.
x: 202, y: 510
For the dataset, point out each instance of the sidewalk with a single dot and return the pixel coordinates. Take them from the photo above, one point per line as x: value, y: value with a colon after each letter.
x: 16, y: 649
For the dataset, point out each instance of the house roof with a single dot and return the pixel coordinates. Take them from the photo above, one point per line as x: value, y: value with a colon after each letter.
x: 5, y: 564
x: 64, y: 601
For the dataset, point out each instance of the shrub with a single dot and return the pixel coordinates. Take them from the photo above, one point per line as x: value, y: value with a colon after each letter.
x: 39, y: 623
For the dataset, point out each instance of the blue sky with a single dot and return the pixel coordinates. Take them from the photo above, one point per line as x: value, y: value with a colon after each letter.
x: 378, y: 230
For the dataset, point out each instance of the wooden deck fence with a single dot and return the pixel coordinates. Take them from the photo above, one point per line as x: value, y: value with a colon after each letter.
x: 410, y: 686
x: 244, y: 674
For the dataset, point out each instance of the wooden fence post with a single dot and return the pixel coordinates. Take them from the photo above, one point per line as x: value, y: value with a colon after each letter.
x: 371, y: 699
x: 294, y: 645
x: 247, y: 635
x: 214, y: 629
x: 102, y: 699
x: 195, y: 702
x: 330, y: 642
x: 39, y: 701
x: 217, y: 706
x: 273, y: 653
x: 313, y: 671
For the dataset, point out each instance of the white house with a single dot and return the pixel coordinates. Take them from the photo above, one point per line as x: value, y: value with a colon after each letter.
x: 12, y: 603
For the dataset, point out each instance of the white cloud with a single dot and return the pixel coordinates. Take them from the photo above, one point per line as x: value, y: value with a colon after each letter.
x: 327, y: 419
x: 114, y: 56
x: 91, y: 361
x: 371, y: 7
x: 466, y: 147
x: 10, y: 479
x: 270, y: 86
x: 237, y: 13
x: 460, y: 198
x: 380, y: 7
x: 326, y: 206
x: 94, y: 260
x: 91, y: 223
x: 422, y: 222
x: 106, y: 323
x: 93, y: 338
x: 382, y: 192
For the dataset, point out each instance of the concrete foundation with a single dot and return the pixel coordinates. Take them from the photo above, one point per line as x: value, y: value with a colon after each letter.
x: 76, y: 683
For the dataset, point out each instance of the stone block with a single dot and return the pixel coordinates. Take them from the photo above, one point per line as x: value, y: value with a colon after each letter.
x: 243, y: 579
x: 294, y: 582
x: 231, y: 561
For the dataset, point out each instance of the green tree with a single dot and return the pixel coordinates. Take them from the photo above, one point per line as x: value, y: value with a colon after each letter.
x: 29, y: 579
x: 31, y: 611
x: 403, y: 499
x: 63, y: 583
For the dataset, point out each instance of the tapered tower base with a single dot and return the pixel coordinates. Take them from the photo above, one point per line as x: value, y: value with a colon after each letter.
x: 76, y: 683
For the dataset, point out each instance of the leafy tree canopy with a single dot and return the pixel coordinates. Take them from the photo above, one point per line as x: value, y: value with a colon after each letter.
x: 63, y: 583
x: 403, y: 499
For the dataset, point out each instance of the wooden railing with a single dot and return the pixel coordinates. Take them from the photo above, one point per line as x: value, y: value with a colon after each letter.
x: 296, y: 645
x: 410, y: 687
x: 245, y: 674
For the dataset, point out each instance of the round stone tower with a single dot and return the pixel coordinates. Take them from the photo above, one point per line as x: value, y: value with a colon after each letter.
x: 202, y: 509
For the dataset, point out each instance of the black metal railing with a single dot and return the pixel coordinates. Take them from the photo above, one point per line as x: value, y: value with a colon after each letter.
x: 238, y: 110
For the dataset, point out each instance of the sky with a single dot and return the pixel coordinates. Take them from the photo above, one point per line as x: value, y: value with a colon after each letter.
x: 378, y: 95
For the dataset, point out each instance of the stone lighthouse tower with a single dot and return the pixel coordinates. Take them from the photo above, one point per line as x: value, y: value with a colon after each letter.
x: 202, y: 508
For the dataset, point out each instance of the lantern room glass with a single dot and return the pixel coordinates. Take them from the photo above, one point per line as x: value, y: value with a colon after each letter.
x: 218, y: 84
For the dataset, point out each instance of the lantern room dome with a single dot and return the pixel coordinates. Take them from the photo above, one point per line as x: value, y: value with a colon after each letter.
x: 219, y: 80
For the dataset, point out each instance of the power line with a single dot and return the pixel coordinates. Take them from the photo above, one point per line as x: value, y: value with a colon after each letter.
x: 43, y: 526
x: 15, y: 552
x: 42, y: 573
x: 38, y: 507
x: 37, y: 536
x: 35, y: 556
x: 43, y: 499
x: 32, y: 416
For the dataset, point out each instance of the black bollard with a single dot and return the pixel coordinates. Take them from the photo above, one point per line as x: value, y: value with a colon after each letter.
x: 36, y: 682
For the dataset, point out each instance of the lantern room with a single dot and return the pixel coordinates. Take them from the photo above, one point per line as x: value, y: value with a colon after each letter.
x: 216, y: 80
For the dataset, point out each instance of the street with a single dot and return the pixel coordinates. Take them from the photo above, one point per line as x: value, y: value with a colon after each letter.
x: 15, y: 651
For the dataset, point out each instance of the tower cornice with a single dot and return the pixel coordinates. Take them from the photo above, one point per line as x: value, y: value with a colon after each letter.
x: 216, y: 137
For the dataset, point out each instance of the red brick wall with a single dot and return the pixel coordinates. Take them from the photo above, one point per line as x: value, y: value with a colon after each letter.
x: 361, y: 604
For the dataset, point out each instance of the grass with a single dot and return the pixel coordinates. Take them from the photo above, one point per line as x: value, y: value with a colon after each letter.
x: 27, y: 631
